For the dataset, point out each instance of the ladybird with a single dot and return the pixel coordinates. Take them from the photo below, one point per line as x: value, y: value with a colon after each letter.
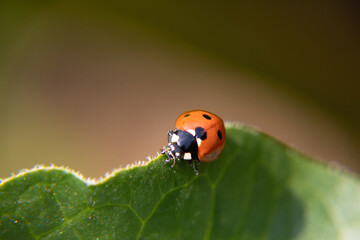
x: 199, y: 137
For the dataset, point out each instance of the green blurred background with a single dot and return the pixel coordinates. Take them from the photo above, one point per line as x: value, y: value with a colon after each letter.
x: 96, y: 85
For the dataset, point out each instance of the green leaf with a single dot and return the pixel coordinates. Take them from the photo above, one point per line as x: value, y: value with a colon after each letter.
x: 257, y: 189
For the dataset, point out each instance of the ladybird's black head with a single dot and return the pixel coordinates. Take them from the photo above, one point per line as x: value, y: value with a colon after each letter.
x: 182, y: 145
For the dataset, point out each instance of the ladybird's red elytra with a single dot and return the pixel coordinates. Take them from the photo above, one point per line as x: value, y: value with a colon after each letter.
x: 199, y: 136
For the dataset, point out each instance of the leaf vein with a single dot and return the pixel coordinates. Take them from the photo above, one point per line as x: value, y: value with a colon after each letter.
x: 158, y: 203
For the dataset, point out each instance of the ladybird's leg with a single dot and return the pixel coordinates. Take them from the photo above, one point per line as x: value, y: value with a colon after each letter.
x: 171, y: 153
x: 176, y: 152
x: 194, y: 162
x: 171, y: 148
x: 165, y: 150
x: 173, y: 158
x: 169, y: 157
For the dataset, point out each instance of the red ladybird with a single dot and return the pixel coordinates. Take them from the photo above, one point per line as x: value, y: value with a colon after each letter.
x: 200, y: 136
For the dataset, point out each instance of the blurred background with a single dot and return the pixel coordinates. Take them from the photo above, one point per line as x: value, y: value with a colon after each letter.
x: 97, y: 85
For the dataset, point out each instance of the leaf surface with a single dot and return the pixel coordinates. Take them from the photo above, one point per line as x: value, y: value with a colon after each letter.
x: 258, y: 189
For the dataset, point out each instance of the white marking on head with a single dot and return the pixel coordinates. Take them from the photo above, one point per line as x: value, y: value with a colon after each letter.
x: 187, y: 156
x: 192, y: 131
x: 177, y: 154
x: 174, y: 138
x: 198, y: 140
x: 172, y: 148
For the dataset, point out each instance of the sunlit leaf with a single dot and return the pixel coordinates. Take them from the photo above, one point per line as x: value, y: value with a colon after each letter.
x: 257, y: 189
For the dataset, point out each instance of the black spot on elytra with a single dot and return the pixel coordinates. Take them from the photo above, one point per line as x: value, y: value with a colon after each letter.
x: 200, y: 133
x: 186, y: 115
x: 207, y: 116
x: 219, y: 134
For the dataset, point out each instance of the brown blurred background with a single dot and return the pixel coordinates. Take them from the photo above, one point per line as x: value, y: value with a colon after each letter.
x: 97, y: 85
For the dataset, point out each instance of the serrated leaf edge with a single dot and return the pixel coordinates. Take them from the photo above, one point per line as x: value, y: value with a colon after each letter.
x: 78, y: 174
